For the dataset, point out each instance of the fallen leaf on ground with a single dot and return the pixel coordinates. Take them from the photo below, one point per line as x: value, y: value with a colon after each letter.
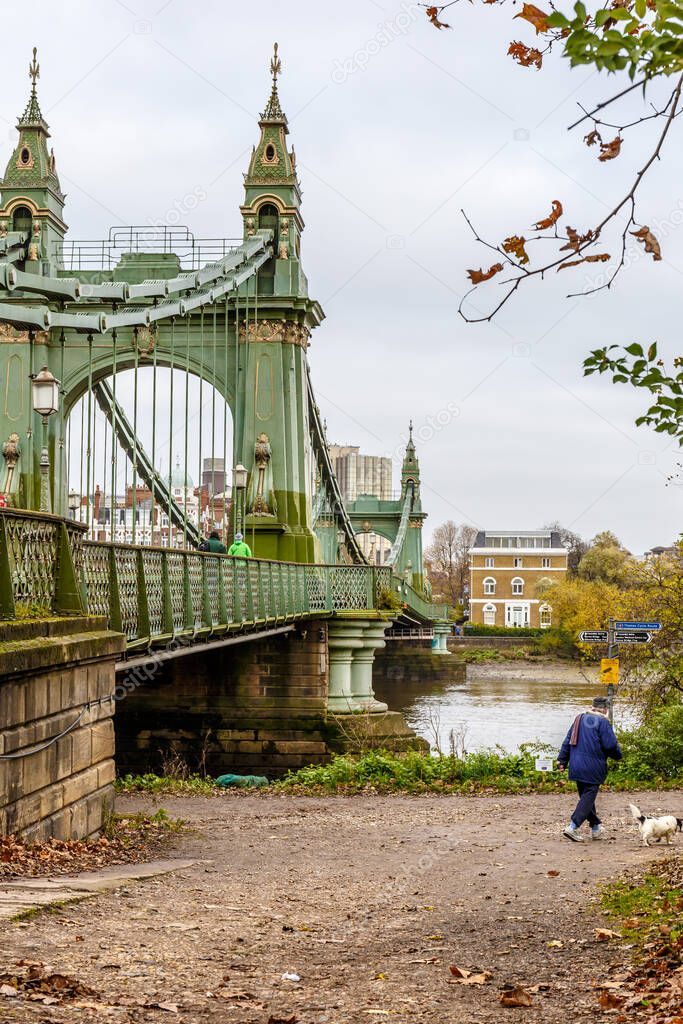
x: 480, y: 978
x: 556, y: 944
x: 610, y: 1000
x: 516, y: 996
x: 553, y: 874
x: 8, y: 991
x: 283, y: 1020
x: 605, y: 934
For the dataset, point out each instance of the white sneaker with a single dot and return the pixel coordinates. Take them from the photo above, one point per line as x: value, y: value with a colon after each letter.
x: 598, y: 833
x: 573, y: 834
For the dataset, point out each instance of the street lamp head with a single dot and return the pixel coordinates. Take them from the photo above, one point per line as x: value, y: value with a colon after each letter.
x: 45, y: 392
x: 239, y: 475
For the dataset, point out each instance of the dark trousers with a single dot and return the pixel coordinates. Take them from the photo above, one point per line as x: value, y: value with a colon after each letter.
x: 585, y: 809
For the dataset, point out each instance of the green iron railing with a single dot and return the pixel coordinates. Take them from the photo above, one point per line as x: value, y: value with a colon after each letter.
x: 155, y: 594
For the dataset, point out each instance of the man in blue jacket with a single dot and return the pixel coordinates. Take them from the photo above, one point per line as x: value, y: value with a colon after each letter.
x: 586, y: 747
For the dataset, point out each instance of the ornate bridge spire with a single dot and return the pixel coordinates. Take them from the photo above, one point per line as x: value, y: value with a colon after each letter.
x: 273, y: 111
x: 32, y: 116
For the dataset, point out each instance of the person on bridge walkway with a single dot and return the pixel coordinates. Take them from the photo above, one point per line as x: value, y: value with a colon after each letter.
x: 213, y: 544
x: 586, y: 748
x: 239, y: 547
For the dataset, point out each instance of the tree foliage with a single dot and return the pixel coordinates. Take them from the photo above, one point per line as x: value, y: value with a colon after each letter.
x: 448, y: 560
x: 608, y: 561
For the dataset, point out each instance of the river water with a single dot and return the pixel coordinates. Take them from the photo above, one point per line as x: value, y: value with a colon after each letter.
x: 504, y: 705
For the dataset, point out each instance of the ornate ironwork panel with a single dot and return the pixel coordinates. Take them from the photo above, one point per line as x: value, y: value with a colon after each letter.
x: 175, y: 562
x: 213, y: 587
x: 97, y: 577
x: 127, y: 573
x: 194, y: 564
x: 349, y: 587
x: 316, y: 587
x: 32, y: 549
x: 154, y: 585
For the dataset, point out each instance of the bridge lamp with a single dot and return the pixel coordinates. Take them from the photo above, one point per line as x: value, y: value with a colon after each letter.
x: 239, y: 479
x: 74, y: 500
x: 45, y: 399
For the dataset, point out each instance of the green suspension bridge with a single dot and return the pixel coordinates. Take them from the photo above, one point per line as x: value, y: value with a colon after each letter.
x: 133, y: 330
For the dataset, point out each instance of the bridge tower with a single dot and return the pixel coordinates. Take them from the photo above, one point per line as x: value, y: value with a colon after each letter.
x: 272, y: 429
x: 410, y: 481
x: 32, y: 203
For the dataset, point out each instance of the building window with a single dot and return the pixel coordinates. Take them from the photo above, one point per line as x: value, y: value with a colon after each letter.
x: 489, y: 585
x: 489, y: 614
x: 518, y: 585
x: 489, y: 562
x: 546, y: 616
x: 545, y: 563
x: 518, y: 562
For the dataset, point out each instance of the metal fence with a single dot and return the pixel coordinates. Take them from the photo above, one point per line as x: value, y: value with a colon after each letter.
x: 154, y: 594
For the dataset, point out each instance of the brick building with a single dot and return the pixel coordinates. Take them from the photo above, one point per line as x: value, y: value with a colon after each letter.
x: 509, y: 571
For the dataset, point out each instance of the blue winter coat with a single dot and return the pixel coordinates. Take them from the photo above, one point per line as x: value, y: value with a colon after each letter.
x: 588, y: 759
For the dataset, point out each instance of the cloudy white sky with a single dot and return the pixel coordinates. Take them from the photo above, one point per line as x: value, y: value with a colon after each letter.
x: 150, y: 102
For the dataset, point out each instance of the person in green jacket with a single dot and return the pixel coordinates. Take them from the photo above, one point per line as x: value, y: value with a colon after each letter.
x: 239, y: 548
x: 213, y: 544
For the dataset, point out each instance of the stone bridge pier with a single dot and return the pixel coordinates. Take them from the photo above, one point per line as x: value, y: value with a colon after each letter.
x: 263, y: 704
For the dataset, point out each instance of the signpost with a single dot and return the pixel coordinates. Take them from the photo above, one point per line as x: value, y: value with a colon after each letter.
x: 615, y: 634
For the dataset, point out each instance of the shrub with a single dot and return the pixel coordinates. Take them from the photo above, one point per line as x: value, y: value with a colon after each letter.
x: 655, y: 748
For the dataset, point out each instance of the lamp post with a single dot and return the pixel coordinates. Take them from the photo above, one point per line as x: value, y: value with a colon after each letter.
x: 239, y: 479
x: 45, y: 399
x: 74, y: 503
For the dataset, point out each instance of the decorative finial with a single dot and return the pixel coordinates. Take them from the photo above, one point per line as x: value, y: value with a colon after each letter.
x: 34, y: 69
x: 410, y: 431
x: 273, y: 111
x: 275, y: 64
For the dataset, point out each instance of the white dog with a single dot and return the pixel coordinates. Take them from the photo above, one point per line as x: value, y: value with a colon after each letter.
x: 656, y: 828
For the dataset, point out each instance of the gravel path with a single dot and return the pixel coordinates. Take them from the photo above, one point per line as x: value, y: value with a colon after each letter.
x: 368, y: 899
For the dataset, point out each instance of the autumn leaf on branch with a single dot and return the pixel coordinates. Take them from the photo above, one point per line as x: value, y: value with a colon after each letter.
x: 433, y: 15
x: 515, y: 245
x: 609, y: 150
x: 592, y: 137
x: 526, y: 56
x: 477, y: 276
x: 552, y: 218
x: 651, y: 244
x: 575, y: 240
x: 535, y: 16
x: 598, y: 257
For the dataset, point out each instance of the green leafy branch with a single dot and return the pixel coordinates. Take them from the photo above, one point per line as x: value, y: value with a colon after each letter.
x: 642, y: 369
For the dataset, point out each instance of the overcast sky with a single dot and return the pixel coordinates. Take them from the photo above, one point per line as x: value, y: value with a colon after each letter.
x: 396, y: 128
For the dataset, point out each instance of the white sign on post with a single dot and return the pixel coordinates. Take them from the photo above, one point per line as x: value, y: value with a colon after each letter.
x: 545, y: 764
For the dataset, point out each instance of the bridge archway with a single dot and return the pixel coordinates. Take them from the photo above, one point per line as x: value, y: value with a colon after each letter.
x: 147, y: 457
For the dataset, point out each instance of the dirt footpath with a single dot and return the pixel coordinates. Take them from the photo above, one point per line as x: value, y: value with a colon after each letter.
x: 368, y: 900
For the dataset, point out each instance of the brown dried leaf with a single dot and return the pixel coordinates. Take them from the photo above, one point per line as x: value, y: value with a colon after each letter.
x: 433, y: 15
x: 283, y: 1020
x: 477, y: 276
x: 610, y: 1000
x: 610, y: 150
x: 515, y: 245
x: 516, y: 996
x: 552, y: 218
x: 651, y: 244
x: 605, y: 934
x: 598, y: 257
x: 575, y: 239
x: 535, y: 16
x: 553, y: 874
x: 526, y: 56
x: 592, y: 137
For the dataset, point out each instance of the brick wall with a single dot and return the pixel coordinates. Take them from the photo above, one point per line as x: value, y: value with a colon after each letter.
x: 48, y: 671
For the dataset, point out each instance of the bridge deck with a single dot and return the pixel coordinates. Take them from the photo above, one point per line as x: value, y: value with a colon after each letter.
x: 154, y: 595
